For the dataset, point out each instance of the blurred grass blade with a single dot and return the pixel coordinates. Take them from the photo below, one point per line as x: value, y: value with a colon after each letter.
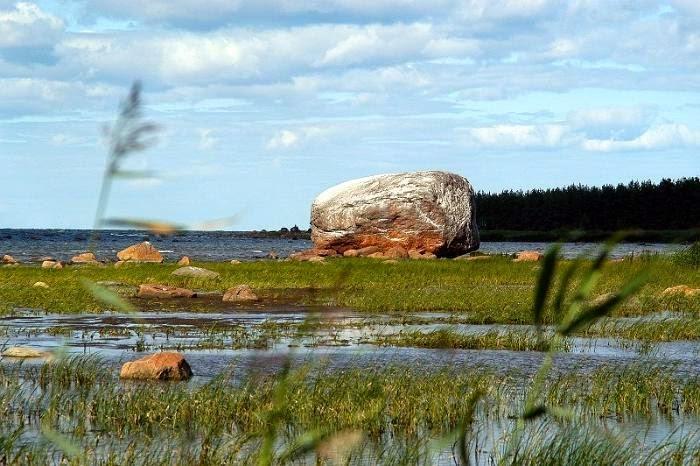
x: 305, y: 443
x: 108, y: 297
x: 154, y: 226
x: 563, y: 287
x: 544, y: 284
x: 217, y: 224
x: 133, y: 174
x: 465, y: 426
x: 589, y: 315
x: 65, y: 444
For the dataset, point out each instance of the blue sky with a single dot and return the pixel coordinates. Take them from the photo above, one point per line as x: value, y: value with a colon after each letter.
x: 265, y: 103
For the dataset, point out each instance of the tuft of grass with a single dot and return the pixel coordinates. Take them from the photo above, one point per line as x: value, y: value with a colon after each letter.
x: 449, y: 339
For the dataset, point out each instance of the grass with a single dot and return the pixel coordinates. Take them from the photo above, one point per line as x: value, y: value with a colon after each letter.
x: 491, y: 291
x: 446, y: 338
x: 394, y: 414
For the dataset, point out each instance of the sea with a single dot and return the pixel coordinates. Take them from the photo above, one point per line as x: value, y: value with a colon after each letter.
x: 30, y: 245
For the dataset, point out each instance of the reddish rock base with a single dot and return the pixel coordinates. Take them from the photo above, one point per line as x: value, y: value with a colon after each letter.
x: 164, y: 291
x: 159, y: 366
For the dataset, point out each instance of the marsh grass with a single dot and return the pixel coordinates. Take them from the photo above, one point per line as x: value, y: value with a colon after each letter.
x: 450, y: 339
x: 392, y: 415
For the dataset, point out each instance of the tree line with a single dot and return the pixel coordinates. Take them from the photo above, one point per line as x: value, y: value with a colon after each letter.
x: 667, y: 205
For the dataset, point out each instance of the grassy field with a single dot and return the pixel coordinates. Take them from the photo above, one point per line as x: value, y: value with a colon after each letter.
x: 495, y: 290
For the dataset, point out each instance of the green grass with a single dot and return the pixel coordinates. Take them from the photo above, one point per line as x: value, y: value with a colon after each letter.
x: 491, y: 291
x: 449, y: 339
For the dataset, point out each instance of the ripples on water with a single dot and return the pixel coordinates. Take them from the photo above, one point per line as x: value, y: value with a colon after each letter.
x: 27, y: 245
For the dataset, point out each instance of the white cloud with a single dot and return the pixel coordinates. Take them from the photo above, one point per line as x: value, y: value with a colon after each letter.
x: 286, y: 139
x: 658, y: 137
x: 207, y: 139
x: 514, y: 136
x: 26, y: 25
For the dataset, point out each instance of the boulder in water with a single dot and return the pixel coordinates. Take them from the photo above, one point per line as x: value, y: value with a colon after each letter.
x: 430, y: 212
x: 159, y: 366
x: 240, y: 293
x: 141, y: 252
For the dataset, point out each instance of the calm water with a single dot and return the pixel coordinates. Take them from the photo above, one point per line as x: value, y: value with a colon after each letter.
x: 30, y: 245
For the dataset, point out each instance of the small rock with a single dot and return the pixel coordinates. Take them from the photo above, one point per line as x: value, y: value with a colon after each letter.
x: 184, y: 261
x: 40, y: 285
x: 24, y: 352
x: 397, y: 252
x: 415, y: 254
x: 272, y: 255
x: 366, y: 251
x: 195, y: 272
x: 681, y: 290
x: 528, y: 256
x: 234, y: 262
x: 48, y: 264
x: 240, y: 293
x: 119, y: 264
x: 317, y: 259
x: 46, y: 258
x: 469, y: 257
x: 8, y: 259
x: 142, y: 252
x: 58, y: 265
x: 351, y: 253
x: 164, y: 291
x: 309, y: 254
x: 16, y: 264
x: 84, y: 258
x: 390, y: 261
x: 159, y: 366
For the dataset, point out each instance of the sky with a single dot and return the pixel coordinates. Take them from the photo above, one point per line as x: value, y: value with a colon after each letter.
x: 263, y: 104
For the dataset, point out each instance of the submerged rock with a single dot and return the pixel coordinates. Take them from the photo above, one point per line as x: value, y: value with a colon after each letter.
x: 141, y: 252
x: 164, y: 291
x: 195, y: 272
x: 159, y: 366
x: 430, y: 212
x: 24, y: 352
x: 240, y: 293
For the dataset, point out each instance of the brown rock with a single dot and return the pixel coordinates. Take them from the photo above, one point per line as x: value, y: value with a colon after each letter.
x: 528, y: 256
x: 84, y: 258
x: 377, y: 255
x: 119, y: 264
x: 164, y: 291
x: 234, y: 262
x: 317, y: 259
x: 159, y: 366
x: 8, y: 259
x: 396, y: 252
x: 48, y: 264
x: 40, y: 285
x: 24, y: 352
x: 351, y: 253
x: 366, y: 251
x: 142, y: 252
x: 311, y: 253
x: 240, y: 293
x: 415, y: 254
x: 184, y: 261
x: 428, y: 211
x: 681, y: 290
x: 390, y: 261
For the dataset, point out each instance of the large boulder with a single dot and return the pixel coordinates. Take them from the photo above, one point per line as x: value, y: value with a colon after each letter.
x: 159, y: 366
x: 142, y: 252
x: 429, y: 212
